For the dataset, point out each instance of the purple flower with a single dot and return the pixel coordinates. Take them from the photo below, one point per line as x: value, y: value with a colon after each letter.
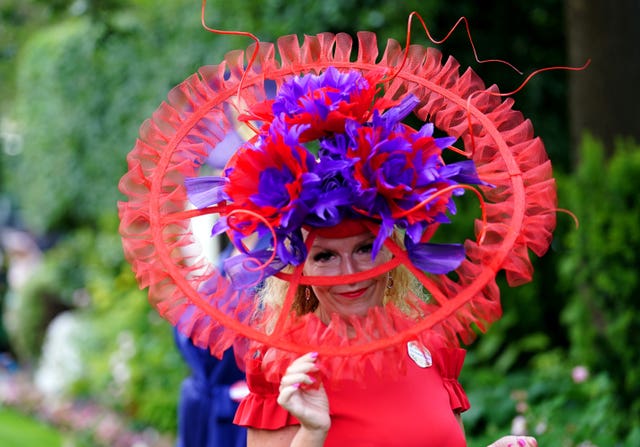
x: 325, y: 102
x: 318, y: 94
x: 435, y: 258
x: 206, y: 191
x: 331, y: 148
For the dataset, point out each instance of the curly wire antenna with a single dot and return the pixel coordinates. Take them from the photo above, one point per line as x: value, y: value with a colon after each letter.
x: 540, y: 70
x: 464, y: 20
x: 233, y: 33
x: 243, y: 248
x: 576, y: 221
x: 415, y: 14
x: 448, y: 189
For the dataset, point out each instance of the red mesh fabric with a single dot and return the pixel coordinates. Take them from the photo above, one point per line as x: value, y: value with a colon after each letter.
x: 189, y: 291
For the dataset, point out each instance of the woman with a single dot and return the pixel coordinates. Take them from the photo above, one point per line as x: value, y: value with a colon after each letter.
x: 356, y: 408
x: 340, y: 197
x: 417, y: 409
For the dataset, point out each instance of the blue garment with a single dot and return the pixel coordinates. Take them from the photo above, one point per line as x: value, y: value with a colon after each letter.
x: 205, y: 411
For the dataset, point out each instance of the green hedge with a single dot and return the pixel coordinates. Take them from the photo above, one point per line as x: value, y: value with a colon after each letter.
x: 600, y: 271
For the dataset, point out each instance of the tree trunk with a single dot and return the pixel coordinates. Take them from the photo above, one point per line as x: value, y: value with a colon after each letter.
x: 604, y: 99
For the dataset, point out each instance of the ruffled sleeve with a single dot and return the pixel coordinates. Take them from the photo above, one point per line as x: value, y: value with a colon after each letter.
x: 450, y: 361
x: 260, y: 408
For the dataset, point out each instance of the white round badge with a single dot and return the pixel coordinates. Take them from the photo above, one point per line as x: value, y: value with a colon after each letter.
x: 419, y: 354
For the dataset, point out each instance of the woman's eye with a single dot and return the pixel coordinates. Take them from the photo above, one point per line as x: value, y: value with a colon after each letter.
x: 366, y: 248
x: 323, y: 256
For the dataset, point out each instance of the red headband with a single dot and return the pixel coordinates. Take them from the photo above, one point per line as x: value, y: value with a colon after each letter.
x: 346, y: 228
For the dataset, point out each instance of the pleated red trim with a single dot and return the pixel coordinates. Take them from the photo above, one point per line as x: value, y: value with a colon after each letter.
x: 450, y: 362
x: 260, y: 409
x: 188, y: 290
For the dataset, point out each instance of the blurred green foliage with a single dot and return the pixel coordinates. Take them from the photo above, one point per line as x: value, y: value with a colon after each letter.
x: 87, y: 77
x: 582, y: 314
x: 600, y: 274
x: 18, y: 430
x: 84, y: 84
x: 129, y: 363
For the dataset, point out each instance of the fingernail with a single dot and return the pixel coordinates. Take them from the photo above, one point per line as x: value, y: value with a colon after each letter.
x: 522, y: 442
x: 296, y: 385
x: 314, y: 355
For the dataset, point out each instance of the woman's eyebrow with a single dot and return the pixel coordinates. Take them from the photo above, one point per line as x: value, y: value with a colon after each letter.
x: 320, y: 248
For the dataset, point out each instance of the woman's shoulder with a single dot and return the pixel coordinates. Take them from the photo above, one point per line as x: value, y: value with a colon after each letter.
x: 260, y: 408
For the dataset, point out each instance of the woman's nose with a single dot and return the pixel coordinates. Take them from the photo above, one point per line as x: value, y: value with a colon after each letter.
x: 348, y: 266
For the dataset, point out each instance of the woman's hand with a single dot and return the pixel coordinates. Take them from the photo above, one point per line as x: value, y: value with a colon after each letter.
x: 515, y: 441
x: 309, y: 404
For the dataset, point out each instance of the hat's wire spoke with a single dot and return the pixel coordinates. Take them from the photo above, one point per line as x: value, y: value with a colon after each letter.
x: 446, y: 190
x: 288, y: 301
x: 185, y: 215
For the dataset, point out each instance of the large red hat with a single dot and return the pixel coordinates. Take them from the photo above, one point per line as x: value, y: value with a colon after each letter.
x: 199, y: 120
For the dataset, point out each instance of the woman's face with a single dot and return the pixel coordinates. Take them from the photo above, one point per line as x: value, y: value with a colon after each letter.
x: 336, y: 257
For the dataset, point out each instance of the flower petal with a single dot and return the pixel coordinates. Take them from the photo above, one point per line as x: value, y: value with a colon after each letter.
x: 435, y: 258
x: 206, y: 191
x: 243, y: 269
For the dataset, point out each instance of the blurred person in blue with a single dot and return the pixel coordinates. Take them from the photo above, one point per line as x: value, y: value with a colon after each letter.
x: 210, y: 395
x: 209, y: 398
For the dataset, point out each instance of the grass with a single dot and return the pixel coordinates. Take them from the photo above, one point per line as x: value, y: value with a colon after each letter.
x: 18, y: 430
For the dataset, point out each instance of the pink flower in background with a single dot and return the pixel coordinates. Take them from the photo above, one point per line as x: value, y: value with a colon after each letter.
x: 519, y: 426
x: 580, y: 374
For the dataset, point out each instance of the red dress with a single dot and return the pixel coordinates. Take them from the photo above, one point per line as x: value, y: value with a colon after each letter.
x: 417, y: 409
